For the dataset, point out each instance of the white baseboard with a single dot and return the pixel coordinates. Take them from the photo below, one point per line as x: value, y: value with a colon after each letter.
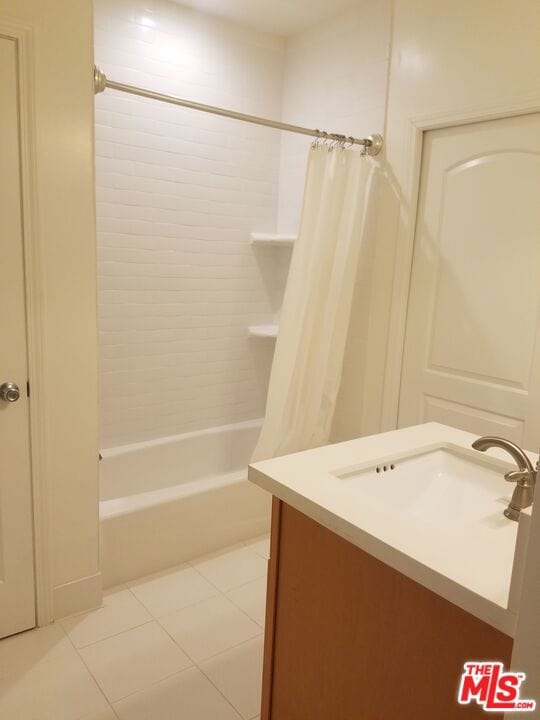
x: 77, y: 596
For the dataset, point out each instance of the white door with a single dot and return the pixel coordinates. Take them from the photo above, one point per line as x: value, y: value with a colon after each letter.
x: 17, y: 606
x: 472, y: 346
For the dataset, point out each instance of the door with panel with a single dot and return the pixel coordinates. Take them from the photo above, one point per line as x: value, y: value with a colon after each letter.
x: 17, y: 605
x: 472, y: 348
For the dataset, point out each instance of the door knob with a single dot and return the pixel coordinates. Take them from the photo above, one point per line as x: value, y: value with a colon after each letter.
x: 9, y: 392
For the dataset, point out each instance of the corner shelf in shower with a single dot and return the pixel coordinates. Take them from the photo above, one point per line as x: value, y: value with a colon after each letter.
x: 272, y: 240
x: 263, y: 331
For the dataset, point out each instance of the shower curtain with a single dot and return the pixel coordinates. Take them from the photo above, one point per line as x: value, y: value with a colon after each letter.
x: 306, y: 370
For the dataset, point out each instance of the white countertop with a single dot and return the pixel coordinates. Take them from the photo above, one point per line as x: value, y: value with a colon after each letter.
x: 475, y: 565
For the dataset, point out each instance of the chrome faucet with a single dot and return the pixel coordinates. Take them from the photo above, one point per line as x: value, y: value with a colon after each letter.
x: 525, y: 476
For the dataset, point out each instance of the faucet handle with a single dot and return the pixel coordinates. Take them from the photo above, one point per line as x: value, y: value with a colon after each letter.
x: 522, y: 477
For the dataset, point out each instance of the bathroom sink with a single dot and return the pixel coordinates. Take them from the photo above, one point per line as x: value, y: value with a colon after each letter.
x: 421, y: 500
x: 447, y: 485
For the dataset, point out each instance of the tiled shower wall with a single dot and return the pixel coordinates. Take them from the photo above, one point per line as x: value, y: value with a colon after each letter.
x: 178, y: 193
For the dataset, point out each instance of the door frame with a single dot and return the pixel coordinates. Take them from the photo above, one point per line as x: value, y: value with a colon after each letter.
x: 406, y: 231
x: 36, y: 339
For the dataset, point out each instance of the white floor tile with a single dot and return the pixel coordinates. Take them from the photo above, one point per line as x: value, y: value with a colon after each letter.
x: 237, y: 673
x: 121, y: 611
x: 209, y: 627
x: 106, y: 714
x: 133, y: 657
x: 251, y: 598
x: 53, y: 686
x: 232, y: 568
x: 134, y: 660
x: 260, y: 545
x: 186, y: 696
x: 172, y: 590
x: 21, y: 652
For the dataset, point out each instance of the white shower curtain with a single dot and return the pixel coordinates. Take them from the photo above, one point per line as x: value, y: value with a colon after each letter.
x: 314, y: 320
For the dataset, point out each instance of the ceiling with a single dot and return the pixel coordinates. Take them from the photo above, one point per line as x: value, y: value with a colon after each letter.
x: 279, y: 17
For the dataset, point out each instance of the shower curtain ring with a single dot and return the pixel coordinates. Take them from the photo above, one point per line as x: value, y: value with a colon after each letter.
x: 318, y: 139
x: 323, y: 138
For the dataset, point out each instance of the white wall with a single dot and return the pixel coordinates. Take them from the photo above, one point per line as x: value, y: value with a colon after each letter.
x: 472, y: 59
x: 178, y: 193
x: 63, y: 240
x: 335, y: 80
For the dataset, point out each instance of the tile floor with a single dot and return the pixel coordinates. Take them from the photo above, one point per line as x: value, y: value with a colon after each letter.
x: 184, y: 644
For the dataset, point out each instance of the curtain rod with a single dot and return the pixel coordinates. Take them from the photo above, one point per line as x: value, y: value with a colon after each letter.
x: 372, y: 144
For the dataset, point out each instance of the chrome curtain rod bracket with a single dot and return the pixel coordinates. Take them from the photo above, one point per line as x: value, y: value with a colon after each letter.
x: 100, y: 80
x: 372, y: 144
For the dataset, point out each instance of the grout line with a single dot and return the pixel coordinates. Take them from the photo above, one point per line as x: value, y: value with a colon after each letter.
x: 147, y: 687
x: 212, y: 682
x: 175, y: 568
x: 153, y: 575
x: 222, y: 594
x: 241, y: 608
x: 183, y: 566
x: 86, y: 668
x: 233, y: 647
x: 214, y: 655
x: 221, y: 693
x: 219, y: 591
x: 175, y: 641
x: 110, y: 702
x: 245, y: 613
x: 179, y: 609
x: 114, y: 634
x: 218, y: 552
x: 243, y: 585
x: 91, y: 676
x: 152, y: 684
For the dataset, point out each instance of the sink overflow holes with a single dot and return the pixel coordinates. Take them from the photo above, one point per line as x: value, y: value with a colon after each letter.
x: 385, y: 468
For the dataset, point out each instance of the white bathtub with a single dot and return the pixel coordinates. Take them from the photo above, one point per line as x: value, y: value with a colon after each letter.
x: 169, y: 500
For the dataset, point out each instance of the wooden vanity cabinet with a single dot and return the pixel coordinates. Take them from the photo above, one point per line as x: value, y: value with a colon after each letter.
x: 349, y: 638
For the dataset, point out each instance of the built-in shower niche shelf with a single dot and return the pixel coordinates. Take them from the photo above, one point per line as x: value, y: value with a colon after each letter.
x: 263, y: 331
x: 272, y: 240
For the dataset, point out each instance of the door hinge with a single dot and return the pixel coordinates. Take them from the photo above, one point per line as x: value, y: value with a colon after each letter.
x: 27, y: 388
